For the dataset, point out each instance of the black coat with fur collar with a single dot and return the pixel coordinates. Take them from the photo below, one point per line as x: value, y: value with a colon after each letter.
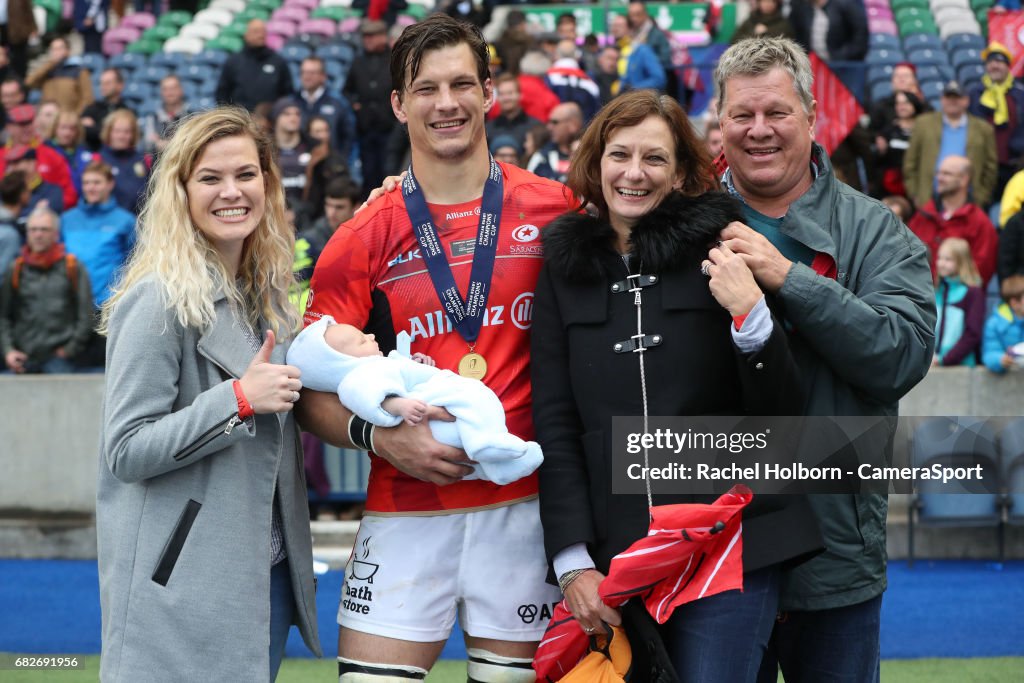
x: 580, y: 381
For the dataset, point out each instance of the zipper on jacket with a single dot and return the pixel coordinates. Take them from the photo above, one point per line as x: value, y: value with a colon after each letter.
x: 206, y: 437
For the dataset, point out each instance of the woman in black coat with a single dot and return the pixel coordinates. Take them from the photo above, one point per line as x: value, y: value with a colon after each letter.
x: 650, y: 180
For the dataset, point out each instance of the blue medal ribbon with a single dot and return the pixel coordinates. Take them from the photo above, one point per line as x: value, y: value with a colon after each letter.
x: 467, y: 315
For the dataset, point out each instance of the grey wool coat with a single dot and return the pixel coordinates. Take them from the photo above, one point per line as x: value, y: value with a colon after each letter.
x: 184, y: 503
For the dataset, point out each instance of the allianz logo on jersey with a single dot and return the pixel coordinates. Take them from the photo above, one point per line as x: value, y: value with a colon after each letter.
x: 520, y: 314
x: 461, y: 214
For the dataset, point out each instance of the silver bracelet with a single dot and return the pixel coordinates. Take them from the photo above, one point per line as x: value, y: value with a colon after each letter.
x: 566, y: 579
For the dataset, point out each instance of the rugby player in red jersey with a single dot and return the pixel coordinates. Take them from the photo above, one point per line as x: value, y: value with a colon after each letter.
x: 451, y: 258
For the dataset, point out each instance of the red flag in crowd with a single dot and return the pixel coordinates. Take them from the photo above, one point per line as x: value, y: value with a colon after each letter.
x: 838, y: 109
x: 1006, y: 28
x: 691, y: 551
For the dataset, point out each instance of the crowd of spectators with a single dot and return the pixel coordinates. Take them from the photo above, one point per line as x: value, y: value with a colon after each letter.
x: 86, y: 156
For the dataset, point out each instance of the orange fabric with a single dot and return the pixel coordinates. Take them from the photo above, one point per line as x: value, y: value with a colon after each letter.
x: 608, y: 662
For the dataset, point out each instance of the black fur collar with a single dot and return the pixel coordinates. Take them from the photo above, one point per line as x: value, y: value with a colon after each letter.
x: 680, y: 229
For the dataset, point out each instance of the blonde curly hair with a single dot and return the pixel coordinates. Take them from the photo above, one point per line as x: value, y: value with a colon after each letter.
x: 189, y: 268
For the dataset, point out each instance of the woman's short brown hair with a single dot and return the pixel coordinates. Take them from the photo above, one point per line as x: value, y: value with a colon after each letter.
x: 631, y: 109
x: 115, y: 116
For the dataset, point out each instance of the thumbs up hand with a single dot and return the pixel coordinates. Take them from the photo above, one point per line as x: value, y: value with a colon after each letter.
x: 269, y: 387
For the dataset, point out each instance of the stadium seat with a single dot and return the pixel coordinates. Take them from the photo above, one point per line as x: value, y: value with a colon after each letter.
x: 138, y: 91
x: 201, y: 30
x: 213, y: 58
x: 268, y: 5
x: 955, y: 442
x: 881, y: 90
x: 931, y: 72
x: 931, y: 89
x: 210, y: 15
x: 94, y: 62
x: 884, y: 57
x: 881, y: 72
x: 235, y: 29
x: 292, y: 14
x: 115, y: 39
x: 139, y: 20
x: 251, y: 13
x: 177, y: 18
x: 225, y: 43
x: 295, y: 52
x: 128, y: 63
x: 878, y: 12
x: 204, y: 103
x: 907, y: 14
x: 960, y: 40
x: 954, y: 16
x: 927, y: 56
x: 168, y: 60
x: 916, y: 41
x: 333, y: 12
x: 917, y: 26
x: 233, y: 6
x: 884, y: 41
x: 308, y: 4
x: 282, y: 27
x: 151, y: 73
x: 320, y: 27
x: 145, y: 46
x: 340, y: 52
x: 275, y: 41
x: 904, y: 4
x: 160, y: 32
x: 1011, y: 451
x: 965, y: 55
x: 335, y: 70
x: 195, y: 73
x: 970, y: 73
x: 348, y: 27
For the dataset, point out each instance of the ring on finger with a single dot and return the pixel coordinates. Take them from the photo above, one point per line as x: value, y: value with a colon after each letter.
x: 705, y: 269
x: 589, y: 629
x: 295, y: 396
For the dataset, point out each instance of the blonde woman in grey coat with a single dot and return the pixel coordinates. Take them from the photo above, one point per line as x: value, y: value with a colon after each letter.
x: 203, y: 527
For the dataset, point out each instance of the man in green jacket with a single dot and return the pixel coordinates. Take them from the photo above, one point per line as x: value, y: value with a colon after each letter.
x: 951, y: 131
x: 854, y: 286
x: 46, y: 309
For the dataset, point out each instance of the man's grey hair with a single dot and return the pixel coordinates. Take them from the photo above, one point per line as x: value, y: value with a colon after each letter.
x: 566, y: 49
x: 534, y: 63
x: 43, y: 210
x: 758, y: 56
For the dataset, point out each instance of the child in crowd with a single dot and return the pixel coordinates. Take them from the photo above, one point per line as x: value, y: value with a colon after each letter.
x: 387, y: 390
x: 959, y: 303
x: 1004, y: 330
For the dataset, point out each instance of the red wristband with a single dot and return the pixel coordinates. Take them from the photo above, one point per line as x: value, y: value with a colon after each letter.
x: 245, y: 410
x: 738, y: 320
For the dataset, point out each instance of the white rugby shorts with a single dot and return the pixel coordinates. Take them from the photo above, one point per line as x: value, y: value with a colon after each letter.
x: 408, y: 576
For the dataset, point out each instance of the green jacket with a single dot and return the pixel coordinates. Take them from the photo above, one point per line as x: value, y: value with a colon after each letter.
x: 45, y: 311
x: 923, y: 154
x: 861, y: 341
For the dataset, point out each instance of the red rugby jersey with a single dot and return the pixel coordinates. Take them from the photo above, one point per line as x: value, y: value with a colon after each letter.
x: 371, y: 275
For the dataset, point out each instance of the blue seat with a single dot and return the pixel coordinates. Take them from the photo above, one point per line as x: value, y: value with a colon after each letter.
x: 955, y: 442
x: 152, y: 73
x: 965, y: 55
x: 93, y: 61
x: 916, y: 41
x: 884, y: 56
x: 170, y: 60
x: 204, y: 103
x: 341, y: 52
x: 296, y: 52
x: 935, y: 72
x: 880, y: 72
x: 970, y: 73
x: 931, y: 89
x: 335, y: 69
x: 959, y: 40
x: 190, y: 90
x: 138, y: 91
x: 127, y: 62
x: 927, y: 56
x: 885, y: 41
x: 212, y: 58
x: 881, y: 90
x: 196, y: 73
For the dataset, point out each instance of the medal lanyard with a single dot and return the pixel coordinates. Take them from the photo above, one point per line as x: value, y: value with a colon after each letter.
x: 466, y: 315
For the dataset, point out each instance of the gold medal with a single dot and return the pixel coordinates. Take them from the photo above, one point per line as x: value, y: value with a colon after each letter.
x: 473, y: 365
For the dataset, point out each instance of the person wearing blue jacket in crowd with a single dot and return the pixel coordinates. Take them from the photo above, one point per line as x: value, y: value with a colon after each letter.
x: 314, y: 99
x: 98, y: 231
x: 959, y: 304
x: 120, y: 136
x: 1005, y: 328
x: 642, y: 68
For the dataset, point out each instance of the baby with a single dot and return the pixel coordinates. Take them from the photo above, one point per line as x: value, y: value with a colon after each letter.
x: 387, y: 390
